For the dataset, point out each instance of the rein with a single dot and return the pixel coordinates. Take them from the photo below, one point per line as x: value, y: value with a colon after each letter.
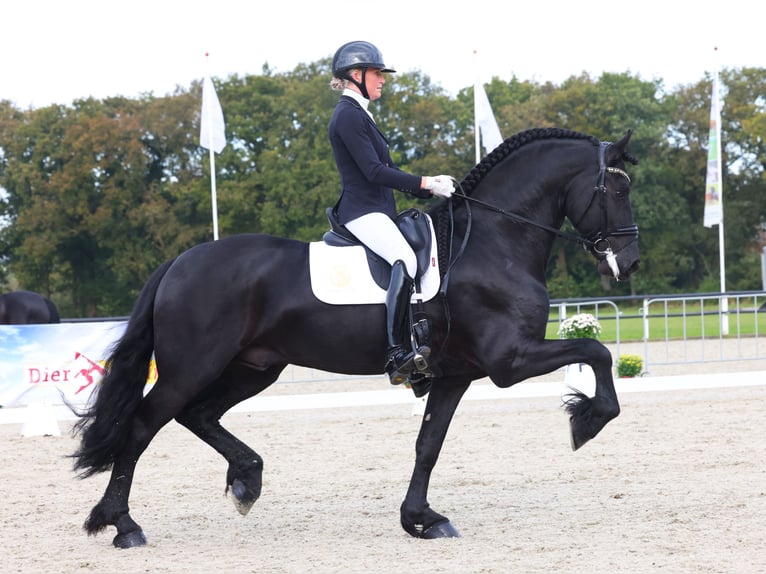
x: 522, y: 219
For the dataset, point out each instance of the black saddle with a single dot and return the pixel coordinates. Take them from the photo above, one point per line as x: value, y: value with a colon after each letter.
x: 415, y: 228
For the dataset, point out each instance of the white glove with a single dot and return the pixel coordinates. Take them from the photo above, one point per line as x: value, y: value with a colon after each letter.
x: 440, y: 185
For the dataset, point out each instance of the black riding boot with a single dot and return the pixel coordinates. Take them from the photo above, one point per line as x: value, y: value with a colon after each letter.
x: 403, y: 362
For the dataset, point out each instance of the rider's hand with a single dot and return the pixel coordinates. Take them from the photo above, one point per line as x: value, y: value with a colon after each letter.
x: 440, y: 185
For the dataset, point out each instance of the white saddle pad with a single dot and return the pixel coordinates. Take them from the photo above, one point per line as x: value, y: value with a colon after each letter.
x: 341, y: 276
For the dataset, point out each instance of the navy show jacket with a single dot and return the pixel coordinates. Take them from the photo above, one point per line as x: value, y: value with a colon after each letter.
x: 367, y: 173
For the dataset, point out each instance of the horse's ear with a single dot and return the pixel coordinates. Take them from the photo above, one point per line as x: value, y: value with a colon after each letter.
x: 623, y: 143
x: 620, y: 148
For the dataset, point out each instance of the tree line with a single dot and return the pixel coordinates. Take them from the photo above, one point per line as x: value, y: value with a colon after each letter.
x: 97, y: 193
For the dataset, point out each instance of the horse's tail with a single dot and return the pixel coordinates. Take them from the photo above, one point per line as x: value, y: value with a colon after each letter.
x: 53, y: 312
x: 105, y: 424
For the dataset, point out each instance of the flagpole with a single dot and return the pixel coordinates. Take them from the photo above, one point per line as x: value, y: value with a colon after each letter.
x: 714, y: 190
x: 214, y: 198
x: 211, y: 146
x: 721, y: 249
x: 477, y: 141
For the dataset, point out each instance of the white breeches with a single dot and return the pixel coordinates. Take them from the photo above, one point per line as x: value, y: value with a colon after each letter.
x: 379, y: 233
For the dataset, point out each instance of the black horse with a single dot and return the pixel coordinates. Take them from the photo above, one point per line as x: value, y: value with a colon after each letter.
x: 27, y: 307
x: 224, y: 318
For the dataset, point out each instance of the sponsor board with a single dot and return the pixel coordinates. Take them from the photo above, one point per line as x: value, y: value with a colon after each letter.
x: 52, y: 363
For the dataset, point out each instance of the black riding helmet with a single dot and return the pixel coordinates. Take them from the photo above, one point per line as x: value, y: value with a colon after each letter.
x: 357, y: 54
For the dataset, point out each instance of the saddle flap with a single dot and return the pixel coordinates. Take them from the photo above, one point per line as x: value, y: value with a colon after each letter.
x: 416, y: 229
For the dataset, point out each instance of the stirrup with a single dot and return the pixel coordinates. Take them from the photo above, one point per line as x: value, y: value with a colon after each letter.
x: 414, y: 364
x: 420, y: 383
x: 420, y: 360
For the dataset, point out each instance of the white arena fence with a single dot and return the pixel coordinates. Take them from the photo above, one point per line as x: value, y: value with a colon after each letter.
x: 681, y: 329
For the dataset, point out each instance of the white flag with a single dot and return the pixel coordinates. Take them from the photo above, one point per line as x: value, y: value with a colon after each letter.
x: 485, y: 119
x: 713, y: 183
x: 211, y: 131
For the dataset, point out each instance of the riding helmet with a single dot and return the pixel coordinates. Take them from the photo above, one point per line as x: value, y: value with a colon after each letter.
x: 357, y: 54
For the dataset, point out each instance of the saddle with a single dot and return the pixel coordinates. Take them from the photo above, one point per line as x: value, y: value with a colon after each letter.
x: 415, y: 228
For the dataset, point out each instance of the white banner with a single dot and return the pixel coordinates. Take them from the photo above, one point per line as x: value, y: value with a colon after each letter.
x: 42, y: 363
x: 713, y: 184
x: 485, y: 119
x: 212, y: 134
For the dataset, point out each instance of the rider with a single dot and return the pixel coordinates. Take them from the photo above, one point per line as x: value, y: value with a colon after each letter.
x: 366, y: 206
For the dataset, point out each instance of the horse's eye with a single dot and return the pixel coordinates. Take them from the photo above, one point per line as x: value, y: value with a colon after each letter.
x: 622, y: 191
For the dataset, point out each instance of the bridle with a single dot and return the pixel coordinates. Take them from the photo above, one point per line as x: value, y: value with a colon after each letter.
x: 597, y: 242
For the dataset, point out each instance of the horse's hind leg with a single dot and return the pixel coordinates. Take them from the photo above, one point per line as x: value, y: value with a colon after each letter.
x: 202, y: 416
x: 155, y: 411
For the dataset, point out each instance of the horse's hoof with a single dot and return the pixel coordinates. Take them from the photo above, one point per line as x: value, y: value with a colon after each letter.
x: 242, y: 502
x: 441, y: 530
x: 577, y: 435
x: 130, y: 539
x: 575, y: 442
x: 572, y: 440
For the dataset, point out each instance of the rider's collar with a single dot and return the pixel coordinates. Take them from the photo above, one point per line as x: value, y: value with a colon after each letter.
x: 364, y: 102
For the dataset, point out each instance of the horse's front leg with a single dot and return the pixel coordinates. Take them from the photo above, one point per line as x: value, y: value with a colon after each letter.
x: 587, y: 415
x: 417, y: 518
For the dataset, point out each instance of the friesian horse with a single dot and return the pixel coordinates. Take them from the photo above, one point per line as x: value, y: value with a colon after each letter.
x: 27, y: 307
x: 224, y: 318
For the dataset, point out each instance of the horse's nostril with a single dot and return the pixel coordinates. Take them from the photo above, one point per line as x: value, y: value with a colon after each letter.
x: 635, y: 266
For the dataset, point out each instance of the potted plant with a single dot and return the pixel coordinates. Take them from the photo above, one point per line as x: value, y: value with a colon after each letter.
x: 629, y: 366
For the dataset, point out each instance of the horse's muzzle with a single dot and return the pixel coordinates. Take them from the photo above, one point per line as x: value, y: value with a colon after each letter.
x: 622, y: 270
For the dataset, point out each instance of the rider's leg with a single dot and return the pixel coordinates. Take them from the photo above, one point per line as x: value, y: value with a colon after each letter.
x: 401, y: 359
x: 378, y: 232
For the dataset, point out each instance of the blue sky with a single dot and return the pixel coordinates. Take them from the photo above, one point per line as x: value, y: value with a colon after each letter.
x: 55, y: 52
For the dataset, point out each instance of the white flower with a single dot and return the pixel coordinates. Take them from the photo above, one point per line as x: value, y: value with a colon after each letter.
x: 580, y: 326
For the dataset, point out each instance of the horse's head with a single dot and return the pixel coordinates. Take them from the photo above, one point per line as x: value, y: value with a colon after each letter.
x: 604, y: 215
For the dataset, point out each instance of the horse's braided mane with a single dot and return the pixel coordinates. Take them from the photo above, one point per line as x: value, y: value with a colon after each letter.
x: 472, y: 179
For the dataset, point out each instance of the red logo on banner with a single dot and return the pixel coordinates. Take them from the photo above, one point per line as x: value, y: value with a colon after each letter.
x: 88, y: 372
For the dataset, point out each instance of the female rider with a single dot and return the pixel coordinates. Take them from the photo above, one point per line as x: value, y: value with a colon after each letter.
x: 366, y: 206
